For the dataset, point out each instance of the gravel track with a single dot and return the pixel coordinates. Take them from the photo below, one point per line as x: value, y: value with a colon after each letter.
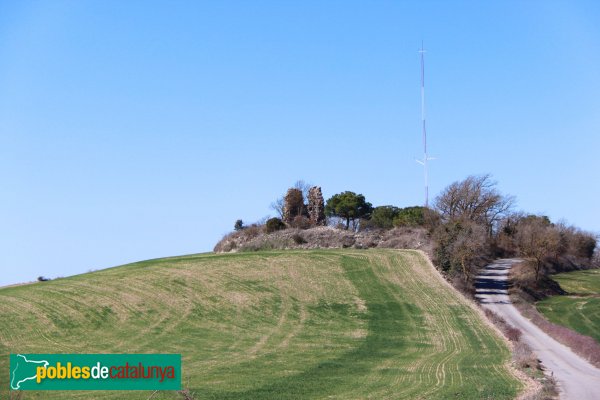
x: 577, y: 378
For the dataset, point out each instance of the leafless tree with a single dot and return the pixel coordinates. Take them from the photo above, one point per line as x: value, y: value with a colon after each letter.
x: 277, y: 206
x: 475, y: 199
x: 458, y: 246
x: 467, y: 247
x: 538, y: 240
x: 304, y: 187
x: 577, y: 242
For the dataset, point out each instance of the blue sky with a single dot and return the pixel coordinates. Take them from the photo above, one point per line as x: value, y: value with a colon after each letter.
x: 139, y: 129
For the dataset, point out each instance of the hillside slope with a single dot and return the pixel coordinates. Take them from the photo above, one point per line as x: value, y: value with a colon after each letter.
x: 580, y: 308
x: 346, y: 324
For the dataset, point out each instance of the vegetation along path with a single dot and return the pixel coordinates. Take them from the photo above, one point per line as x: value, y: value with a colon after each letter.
x: 577, y: 378
x: 335, y: 324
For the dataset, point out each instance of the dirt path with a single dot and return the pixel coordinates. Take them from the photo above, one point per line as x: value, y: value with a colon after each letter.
x: 577, y: 379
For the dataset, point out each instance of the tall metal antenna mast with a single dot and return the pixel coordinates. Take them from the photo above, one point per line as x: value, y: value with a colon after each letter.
x: 426, y: 158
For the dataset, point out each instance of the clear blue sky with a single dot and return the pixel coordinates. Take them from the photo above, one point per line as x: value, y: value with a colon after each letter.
x: 137, y: 129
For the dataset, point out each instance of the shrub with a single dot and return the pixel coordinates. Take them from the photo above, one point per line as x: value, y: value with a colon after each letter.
x: 260, y: 246
x: 274, y: 224
x: 382, y: 217
x: 298, y: 239
x: 410, y: 216
x: 467, y: 289
x: 229, y: 246
x: 459, y: 245
x: 513, y: 334
x: 300, y: 222
x: 582, y: 244
x: 523, y: 356
x: 239, y: 225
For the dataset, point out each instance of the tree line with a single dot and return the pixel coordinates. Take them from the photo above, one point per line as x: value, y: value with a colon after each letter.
x: 303, y: 207
x: 475, y: 220
x: 469, y: 221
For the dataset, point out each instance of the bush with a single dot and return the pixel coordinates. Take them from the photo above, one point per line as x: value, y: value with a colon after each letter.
x: 253, y: 231
x: 387, y: 217
x: 298, y: 239
x: 261, y: 246
x: 410, y: 216
x: 459, y: 246
x: 513, y: 334
x: 229, y: 246
x: 466, y: 288
x: 523, y: 356
x: 239, y: 225
x: 582, y: 244
x: 382, y: 217
x: 274, y: 224
x: 300, y: 222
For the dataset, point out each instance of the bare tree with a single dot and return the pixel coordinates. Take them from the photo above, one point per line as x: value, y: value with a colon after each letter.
x: 467, y: 247
x: 303, y: 187
x: 458, y: 246
x: 475, y: 199
x: 277, y: 206
x: 538, y: 240
x: 577, y: 242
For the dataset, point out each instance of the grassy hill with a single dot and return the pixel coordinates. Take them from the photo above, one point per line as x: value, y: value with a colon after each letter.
x: 344, y: 324
x: 580, y: 309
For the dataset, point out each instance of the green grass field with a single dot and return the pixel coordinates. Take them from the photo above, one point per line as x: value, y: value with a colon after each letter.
x: 580, y: 309
x: 336, y: 324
